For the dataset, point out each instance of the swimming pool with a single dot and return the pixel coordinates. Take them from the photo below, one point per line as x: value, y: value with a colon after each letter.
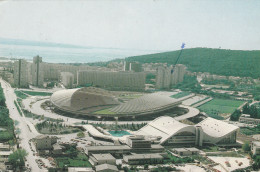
x: 119, y: 133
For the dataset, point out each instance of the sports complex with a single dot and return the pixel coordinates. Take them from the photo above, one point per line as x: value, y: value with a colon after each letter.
x: 90, y: 101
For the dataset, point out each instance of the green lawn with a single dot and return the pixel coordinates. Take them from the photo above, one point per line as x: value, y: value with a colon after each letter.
x: 220, y: 106
x: 20, y: 94
x: 180, y: 95
x: 36, y: 93
x: 23, y: 94
x: 80, y: 161
x: 104, y: 111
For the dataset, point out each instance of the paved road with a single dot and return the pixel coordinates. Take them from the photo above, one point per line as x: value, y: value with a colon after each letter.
x: 27, y: 129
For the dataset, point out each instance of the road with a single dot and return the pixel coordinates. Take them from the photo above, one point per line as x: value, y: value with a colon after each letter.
x: 27, y: 129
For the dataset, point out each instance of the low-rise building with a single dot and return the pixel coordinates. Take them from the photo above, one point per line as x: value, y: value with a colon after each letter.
x: 143, y: 159
x: 255, y: 148
x: 45, y: 142
x: 97, y: 159
x: 138, y: 141
x: 113, y: 149
x: 80, y: 169
x: 106, y: 168
x: 185, y: 151
x: 4, y: 147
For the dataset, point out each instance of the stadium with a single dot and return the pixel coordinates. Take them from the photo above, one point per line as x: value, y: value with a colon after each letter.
x: 169, y: 131
x: 91, y: 101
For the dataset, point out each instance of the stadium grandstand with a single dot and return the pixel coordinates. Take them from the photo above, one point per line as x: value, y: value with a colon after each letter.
x: 169, y: 131
x: 93, y: 101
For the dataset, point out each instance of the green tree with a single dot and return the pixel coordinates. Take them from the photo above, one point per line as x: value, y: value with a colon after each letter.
x: 81, y: 134
x: 246, y: 147
x: 17, y: 158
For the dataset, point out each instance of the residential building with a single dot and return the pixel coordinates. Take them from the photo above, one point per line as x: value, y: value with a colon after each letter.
x: 67, y: 79
x: 133, y: 66
x: 21, y: 73
x: 37, y: 72
x: 126, y: 81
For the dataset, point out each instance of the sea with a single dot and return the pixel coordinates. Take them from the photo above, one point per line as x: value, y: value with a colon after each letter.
x: 66, y: 54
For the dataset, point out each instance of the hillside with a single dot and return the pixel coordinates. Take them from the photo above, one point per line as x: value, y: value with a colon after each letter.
x: 215, y: 61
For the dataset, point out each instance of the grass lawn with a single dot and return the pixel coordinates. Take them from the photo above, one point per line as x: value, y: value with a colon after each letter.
x: 220, y: 106
x: 104, y: 111
x: 180, y: 95
x: 35, y: 93
x: 20, y: 94
x: 80, y: 161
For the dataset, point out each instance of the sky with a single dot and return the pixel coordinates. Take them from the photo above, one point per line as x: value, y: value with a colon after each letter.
x: 135, y: 24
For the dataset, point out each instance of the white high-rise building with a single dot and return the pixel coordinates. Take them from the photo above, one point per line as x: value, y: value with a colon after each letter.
x: 168, y: 76
x: 37, y: 71
x: 67, y: 79
x: 21, y: 73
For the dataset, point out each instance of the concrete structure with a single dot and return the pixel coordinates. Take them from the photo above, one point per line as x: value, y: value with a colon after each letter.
x: 90, y: 100
x: 106, y: 168
x: 163, y: 78
x: 43, y: 142
x: 126, y: 81
x: 97, y: 159
x: 83, y: 100
x: 178, y: 74
x: 138, y: 142
x: 133, y: 66
x: 67, y: 79
x: 37, y: 72
x: 138, y: 159
x: 171, y: 132
x: 168, y: 76
x: 255, y: 148
x: 246, y: 119
x: 80, y: 169
x: 186, y: 151
x: 121, y: 149
x: 147, y: 104
x: 21, y: 68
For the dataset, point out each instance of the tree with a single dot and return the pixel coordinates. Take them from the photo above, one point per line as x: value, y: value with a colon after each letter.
x: 17, y: 158
x: 81, y: 134
x: 246, y: 147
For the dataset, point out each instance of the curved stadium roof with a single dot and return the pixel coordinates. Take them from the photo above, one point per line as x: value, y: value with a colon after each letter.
x: 146, y: 104
x: 88, y: 101
x: 83, y: 100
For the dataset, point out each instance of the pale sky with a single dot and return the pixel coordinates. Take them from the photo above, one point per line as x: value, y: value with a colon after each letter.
x: 135, y: 24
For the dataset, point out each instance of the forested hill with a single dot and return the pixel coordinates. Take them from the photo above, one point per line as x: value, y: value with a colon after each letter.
x: 215, y: 61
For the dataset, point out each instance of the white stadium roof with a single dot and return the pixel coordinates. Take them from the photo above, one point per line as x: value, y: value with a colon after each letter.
x: 147, y: 103
x: 164, y: 127
x: 216, y: 128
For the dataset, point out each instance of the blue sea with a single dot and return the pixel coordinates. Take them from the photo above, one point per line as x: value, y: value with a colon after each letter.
x: 66, y: 54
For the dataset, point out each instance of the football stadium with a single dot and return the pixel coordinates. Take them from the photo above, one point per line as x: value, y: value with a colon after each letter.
x: 91, y: 101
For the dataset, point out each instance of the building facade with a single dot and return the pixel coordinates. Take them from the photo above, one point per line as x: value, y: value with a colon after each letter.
x: 127, y: 81
x: 21, y: 73
x: 67, y: 79
x: 37, y: 72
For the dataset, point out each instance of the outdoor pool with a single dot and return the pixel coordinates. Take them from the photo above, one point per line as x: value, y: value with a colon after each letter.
x: 119, y: 133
